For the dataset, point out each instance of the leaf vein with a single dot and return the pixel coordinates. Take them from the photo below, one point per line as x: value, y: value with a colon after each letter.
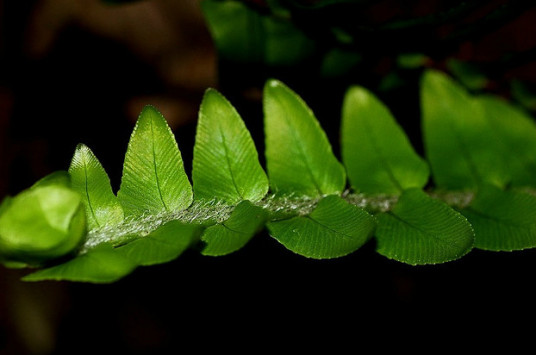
x: 343, y: 235
x: 302, y: 154
x: 226, y: 149
x: 385, y: 162
x: 422, y: 231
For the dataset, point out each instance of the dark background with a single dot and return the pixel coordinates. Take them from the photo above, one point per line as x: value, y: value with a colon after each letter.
x: 80, y: 71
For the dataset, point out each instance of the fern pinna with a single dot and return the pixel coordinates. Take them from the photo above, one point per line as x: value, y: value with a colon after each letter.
x: 473, y: 190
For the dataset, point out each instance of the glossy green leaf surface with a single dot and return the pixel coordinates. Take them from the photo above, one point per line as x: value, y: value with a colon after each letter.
x: 40, y: 224
x: 515, y: 135
x: 299, y: 157
x: 90, y: 180
x: 164, y: 244
x: 502, y: 220
x: 481, y: 150
x: 153, y: 179
x: 225, y: 165
x: 376, y: 152
x: 335, y: 228
x: 103, y: 264
x: 231, y: 235
x: 421, y: 230
x: 458, y: 140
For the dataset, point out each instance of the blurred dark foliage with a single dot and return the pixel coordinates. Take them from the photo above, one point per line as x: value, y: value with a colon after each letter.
x: 80, y: 71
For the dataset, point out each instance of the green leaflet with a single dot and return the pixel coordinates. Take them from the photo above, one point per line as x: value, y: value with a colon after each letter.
x: 502, y: 220
x: 103, y: 264
x: 89, y: 179
x: 335, y: 228
x: 474, y: 143
x: 515, y: 135
x: 421, y: 230
x: 153, y: 179
x: 231, y: 235
x: 299, y: 157
x: 164, y: 244
x: 44, y: 222
x: 375, y: 150
x: 37, y: 234
x: 225, y: 165
x: 457, y: 137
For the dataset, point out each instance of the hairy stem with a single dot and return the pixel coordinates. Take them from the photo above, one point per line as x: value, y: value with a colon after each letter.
x: 212, y: 212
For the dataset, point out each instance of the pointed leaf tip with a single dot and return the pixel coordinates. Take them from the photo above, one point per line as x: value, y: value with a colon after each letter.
x: 211, y: 91
x: 378, y: 156
x: 299, y: 157
x: 153, y: 179
x: 90, y: 180
x: 226, y: 164
x: 149, y: 109
x: 457, y: 136
x: 274, y: 83
x: 210, y: 95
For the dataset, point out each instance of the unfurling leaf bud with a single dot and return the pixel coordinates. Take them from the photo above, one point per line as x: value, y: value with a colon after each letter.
x: 42, y: 223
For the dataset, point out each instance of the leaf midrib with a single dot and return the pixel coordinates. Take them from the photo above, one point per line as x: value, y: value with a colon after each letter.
x: 90, y: 205
x: 464, y: 149
x: 343, y: 235
x: 384, y: 161
x: 300, y: 150
x: 448, y: 243
x: 231, y: 229
x: 498, y: 220
x: 228, y: 161
x: 156, y: 167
